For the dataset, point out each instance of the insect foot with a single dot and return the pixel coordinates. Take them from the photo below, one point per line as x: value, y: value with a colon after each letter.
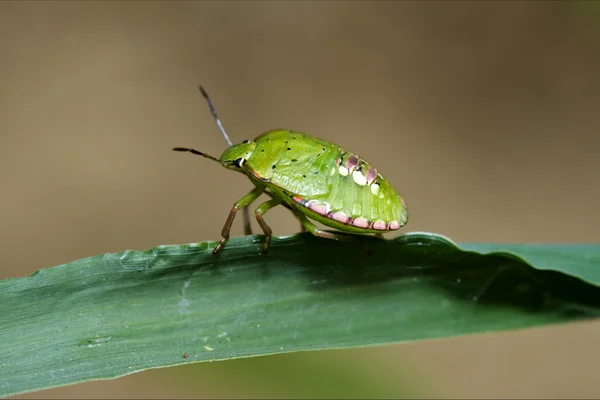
x: 266, y: 244
x: 220, y: 246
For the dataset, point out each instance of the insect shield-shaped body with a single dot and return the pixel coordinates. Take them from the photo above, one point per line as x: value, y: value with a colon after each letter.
x: 315, y: 179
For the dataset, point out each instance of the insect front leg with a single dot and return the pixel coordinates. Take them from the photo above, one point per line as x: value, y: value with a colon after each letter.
x: 260, y: 211
x: 240, y: 204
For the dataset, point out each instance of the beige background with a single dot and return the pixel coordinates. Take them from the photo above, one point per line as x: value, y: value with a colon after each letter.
x: 483, y: 115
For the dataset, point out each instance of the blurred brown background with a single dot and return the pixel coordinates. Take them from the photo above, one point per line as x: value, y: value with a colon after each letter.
x: 485, y: 116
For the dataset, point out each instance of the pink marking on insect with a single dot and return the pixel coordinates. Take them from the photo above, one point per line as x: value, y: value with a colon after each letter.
x: 318, y: 208
x: 361, y: 222
x: 371, y: 175
x: 393, y: 225
x: 299, y: 199
x: 338, y: 162
x: 380, y: 225
x: 353, y: 163
x: 339, y: 216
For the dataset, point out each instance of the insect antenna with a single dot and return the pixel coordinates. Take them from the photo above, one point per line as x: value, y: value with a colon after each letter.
x: 214, y: 113
x: 199, y: 153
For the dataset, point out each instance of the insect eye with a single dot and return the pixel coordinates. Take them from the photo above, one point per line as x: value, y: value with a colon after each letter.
x: 239, y: 162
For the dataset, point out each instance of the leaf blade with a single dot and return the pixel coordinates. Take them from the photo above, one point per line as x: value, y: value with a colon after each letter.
x: 114, y: 314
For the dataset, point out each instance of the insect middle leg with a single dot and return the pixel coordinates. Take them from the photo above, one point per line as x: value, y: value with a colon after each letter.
x: 240, y: 204
x: 302, y: 228
x: 247, y: 226
x: 260, y: 211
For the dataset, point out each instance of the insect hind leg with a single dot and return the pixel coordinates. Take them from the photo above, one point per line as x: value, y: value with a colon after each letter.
x: 315, y: 230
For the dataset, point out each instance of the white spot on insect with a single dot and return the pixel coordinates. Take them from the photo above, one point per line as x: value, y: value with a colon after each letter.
x: 208, y: 348
x: 375, y: 189
x: 220, y: 335
x: 343, y: 170
x: 359, y: 178
x: 332, y: 171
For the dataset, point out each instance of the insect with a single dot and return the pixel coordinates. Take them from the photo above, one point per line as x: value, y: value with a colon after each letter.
x: 315, y: 179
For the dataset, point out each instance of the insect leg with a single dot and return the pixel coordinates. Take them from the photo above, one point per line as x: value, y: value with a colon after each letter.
x: 315, y: 230
x: 260, y: 211
x: 302, y: 228
x: 241, y: 203
x: 247, y: 226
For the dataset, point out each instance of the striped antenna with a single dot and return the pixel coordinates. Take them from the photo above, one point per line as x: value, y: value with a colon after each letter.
x: 214, y: 113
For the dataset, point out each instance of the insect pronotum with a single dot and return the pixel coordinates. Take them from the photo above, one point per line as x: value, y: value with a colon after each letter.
x: 315, y: 179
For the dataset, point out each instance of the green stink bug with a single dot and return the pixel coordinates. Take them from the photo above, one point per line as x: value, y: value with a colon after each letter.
x: 314, y: 179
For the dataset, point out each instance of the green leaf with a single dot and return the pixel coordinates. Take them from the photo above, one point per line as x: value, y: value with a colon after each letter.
x: 115, y: 314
